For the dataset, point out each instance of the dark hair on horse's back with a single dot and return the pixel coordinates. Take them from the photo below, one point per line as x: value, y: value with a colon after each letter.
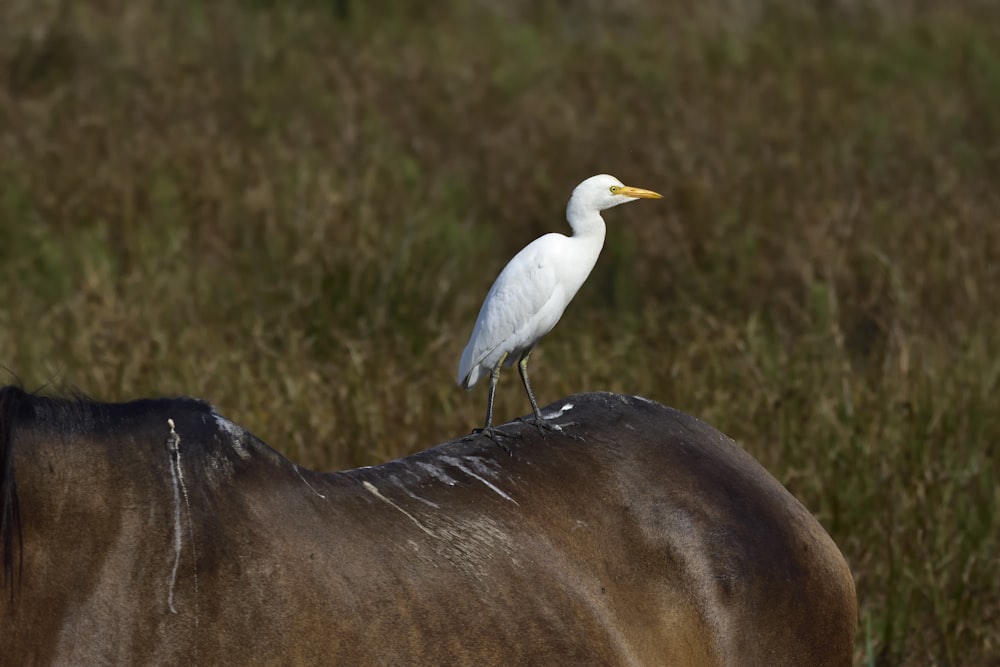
x: 74, y: 412
x: 14, y: 404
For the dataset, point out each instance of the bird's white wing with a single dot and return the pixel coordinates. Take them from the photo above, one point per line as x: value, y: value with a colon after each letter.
x: 519, y: 299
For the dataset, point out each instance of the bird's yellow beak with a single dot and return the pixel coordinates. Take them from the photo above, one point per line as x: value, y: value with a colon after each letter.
x: 641, y: 193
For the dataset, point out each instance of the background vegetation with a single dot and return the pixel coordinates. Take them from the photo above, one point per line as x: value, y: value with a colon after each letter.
x: 295, y: 211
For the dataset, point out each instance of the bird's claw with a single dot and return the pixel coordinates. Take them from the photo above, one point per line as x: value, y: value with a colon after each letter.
x: 542, y: 425
x: 494, y: 434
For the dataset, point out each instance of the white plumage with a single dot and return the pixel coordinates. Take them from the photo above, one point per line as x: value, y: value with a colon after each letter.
x: 531, y: 293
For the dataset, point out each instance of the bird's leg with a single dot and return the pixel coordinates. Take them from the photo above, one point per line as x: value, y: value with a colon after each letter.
x: 494, y: 379
x: 522, y: 369
x: 489, y: 430
x: 540, y: 423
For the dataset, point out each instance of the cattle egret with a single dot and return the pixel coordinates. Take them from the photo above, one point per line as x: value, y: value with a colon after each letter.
x: 531, y: 293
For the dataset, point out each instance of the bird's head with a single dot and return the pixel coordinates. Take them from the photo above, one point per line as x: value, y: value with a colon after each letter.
x: 603, y: 191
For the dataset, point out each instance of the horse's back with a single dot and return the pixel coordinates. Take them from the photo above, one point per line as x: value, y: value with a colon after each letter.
x: 648, y: 538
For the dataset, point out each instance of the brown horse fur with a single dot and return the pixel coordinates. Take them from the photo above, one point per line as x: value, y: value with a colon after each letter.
x: 157, y: 532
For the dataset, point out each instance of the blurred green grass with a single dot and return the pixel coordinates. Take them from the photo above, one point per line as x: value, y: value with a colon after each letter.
x: 296, y: 216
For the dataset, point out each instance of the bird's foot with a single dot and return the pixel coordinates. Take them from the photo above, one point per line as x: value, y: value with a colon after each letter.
x: 494, y: 434
x: 542, y: 425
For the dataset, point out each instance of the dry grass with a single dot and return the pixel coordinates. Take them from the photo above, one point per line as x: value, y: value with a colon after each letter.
x: 296, y: 217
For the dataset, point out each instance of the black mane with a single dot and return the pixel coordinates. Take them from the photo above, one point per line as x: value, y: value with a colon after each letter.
x: 13, y: 408
x: 78, y: 414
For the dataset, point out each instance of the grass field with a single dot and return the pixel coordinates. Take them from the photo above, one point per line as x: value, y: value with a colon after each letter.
x: 296, y: 215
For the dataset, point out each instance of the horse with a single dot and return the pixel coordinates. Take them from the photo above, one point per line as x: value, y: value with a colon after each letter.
x: 159, y: 532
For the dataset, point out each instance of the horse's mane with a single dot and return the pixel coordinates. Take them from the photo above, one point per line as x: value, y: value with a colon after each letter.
x: 13, y: 408
x: 77, y: 412
x: 72, y: 413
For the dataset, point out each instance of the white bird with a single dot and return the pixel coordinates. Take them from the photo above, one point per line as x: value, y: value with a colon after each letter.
x: 531, y: 293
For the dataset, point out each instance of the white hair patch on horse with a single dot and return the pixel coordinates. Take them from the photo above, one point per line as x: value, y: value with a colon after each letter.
x: 565, y: 407
x: 237, y: 435
x: 302, y: 477
x: 458, y: 463
x: 370, y: 488
x: 436, y: 473
x: 180, y: 491
x: 395, y: 479
x: 483, y: 466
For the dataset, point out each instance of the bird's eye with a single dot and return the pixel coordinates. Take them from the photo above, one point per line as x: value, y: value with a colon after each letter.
x: 614, y: 189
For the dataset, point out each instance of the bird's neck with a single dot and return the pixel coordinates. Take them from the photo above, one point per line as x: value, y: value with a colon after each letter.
x: 586, y: 223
